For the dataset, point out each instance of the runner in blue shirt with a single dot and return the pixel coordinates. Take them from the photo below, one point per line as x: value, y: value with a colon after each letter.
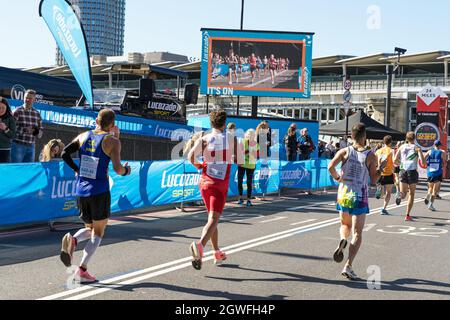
x: 435, y: 160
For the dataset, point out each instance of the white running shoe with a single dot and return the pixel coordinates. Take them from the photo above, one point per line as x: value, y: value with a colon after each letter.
x: 431, y: 207
x: 349, y: 273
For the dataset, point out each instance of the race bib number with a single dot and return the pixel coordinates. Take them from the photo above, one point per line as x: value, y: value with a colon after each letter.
x: 434, y: 167
x: 217, y: 171
x: 88, y: 168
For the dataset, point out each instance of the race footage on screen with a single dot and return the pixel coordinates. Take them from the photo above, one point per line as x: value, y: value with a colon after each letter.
x: 256, y: 65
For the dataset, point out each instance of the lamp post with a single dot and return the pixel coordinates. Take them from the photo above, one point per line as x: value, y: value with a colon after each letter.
x: 390, y: 70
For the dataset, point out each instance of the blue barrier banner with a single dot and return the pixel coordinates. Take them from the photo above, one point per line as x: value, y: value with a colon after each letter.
x: 130, y: 125
x: 46, y: 191
x: 68, y: 32
x: 279, y: 130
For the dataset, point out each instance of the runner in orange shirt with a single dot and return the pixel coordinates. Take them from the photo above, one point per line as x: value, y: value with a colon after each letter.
x: 386, y: 181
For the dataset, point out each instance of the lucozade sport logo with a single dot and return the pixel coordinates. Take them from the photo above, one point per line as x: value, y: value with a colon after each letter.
x: 426, y: 135
x: 64, y: 32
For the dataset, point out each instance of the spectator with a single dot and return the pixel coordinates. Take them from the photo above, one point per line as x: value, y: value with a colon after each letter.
x: 290, y: 141
x: 330, y: 150
x: 7, y: 131
x: 306, y: 145
x: 344, y: 142
x: 52, y: 151
x: 338, y: 147
x: 29, y: 128
x: 231, y: 127
x: 321, y: 149
x: 251, y: 149
x: 264, y: 138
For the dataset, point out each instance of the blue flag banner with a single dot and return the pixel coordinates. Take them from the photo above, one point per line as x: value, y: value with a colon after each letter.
x: 42, y: 192
x: 68, y: 32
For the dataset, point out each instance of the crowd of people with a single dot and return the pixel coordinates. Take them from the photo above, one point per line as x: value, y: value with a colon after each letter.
x: 298, y: 146
x: 327, y: 150
x: 258, y: 66
x: 19, y: 131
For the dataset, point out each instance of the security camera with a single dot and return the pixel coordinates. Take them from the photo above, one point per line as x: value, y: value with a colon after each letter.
x: 400, y: 50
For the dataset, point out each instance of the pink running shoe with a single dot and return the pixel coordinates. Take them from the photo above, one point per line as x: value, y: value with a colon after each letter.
x: 408, y: 218
x: 196, y: 250
x: 219, y: 257
x: 84, y: 276
x: 68, y: 245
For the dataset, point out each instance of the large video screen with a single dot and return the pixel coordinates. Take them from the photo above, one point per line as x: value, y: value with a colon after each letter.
x: 256, y: 63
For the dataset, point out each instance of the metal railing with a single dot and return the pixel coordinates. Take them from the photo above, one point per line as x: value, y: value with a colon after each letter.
x: 380, y: 84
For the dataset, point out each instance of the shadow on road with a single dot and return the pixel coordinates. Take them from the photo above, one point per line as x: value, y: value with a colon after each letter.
x: 403, y: 285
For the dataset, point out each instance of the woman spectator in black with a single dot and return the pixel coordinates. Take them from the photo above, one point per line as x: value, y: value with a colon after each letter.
x: 291, y: 143
x: 7, y: 131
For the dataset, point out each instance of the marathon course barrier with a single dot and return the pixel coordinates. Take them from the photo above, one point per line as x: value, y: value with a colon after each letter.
x: 42, y: 192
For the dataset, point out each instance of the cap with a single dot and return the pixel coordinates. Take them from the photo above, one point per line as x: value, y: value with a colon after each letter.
x: 438, y: 143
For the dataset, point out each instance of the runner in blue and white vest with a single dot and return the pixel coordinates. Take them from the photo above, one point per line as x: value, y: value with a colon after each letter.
x: 435, y: 170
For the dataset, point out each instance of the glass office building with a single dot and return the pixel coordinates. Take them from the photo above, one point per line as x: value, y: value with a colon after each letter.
x: 104, y: 24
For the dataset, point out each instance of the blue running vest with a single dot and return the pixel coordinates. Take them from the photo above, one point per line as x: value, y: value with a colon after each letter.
x: 93, y: 176
x: 434, y: 164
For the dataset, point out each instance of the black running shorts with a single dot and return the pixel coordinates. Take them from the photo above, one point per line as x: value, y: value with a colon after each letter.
x: 435, y: 179
x: 409, y: 177
x: 95, y: 208
x: 386, y: 180
x: 397, y: 170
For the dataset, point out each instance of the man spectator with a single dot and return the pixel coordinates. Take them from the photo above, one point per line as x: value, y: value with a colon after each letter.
x: 29, y: 128
x: 306, y: 145
x: 330, y: 150
x: 344, y: 142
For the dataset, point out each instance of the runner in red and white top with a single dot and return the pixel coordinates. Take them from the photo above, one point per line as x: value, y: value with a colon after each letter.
x: 219, y: 151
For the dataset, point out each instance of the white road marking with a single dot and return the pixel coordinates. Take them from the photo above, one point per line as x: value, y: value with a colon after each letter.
x: 303, y: 222
x: 312, y: 205
x: 266, y: 79
x: 273, y: 220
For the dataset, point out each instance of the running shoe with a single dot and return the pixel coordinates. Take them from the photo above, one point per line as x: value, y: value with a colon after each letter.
x: 398, y: 198
x: 438, y: 197
x: 408, y: 218
x: 431, y: 207
x: 427, y: 199
x: 240, y: 202
x: 249, y: 203
x: 84, y: 276
x: 349, y: 273
x: 378, y: 192
x: 338, y: 255
x: 219, y: 257
x: 384, y: 212
x: 68, y: 246
x: 196, y: 250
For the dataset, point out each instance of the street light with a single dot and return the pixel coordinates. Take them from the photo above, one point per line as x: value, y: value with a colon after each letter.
x: 390, y: 71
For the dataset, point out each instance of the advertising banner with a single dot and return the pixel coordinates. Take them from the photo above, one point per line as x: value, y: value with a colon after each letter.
x: 68, y: 32
x: 47, y: 191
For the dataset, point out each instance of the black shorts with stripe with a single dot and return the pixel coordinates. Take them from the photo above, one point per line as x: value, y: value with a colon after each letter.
x: 95, y: 208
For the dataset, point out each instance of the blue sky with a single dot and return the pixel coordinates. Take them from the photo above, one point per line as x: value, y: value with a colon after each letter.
x: 341, y: 26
